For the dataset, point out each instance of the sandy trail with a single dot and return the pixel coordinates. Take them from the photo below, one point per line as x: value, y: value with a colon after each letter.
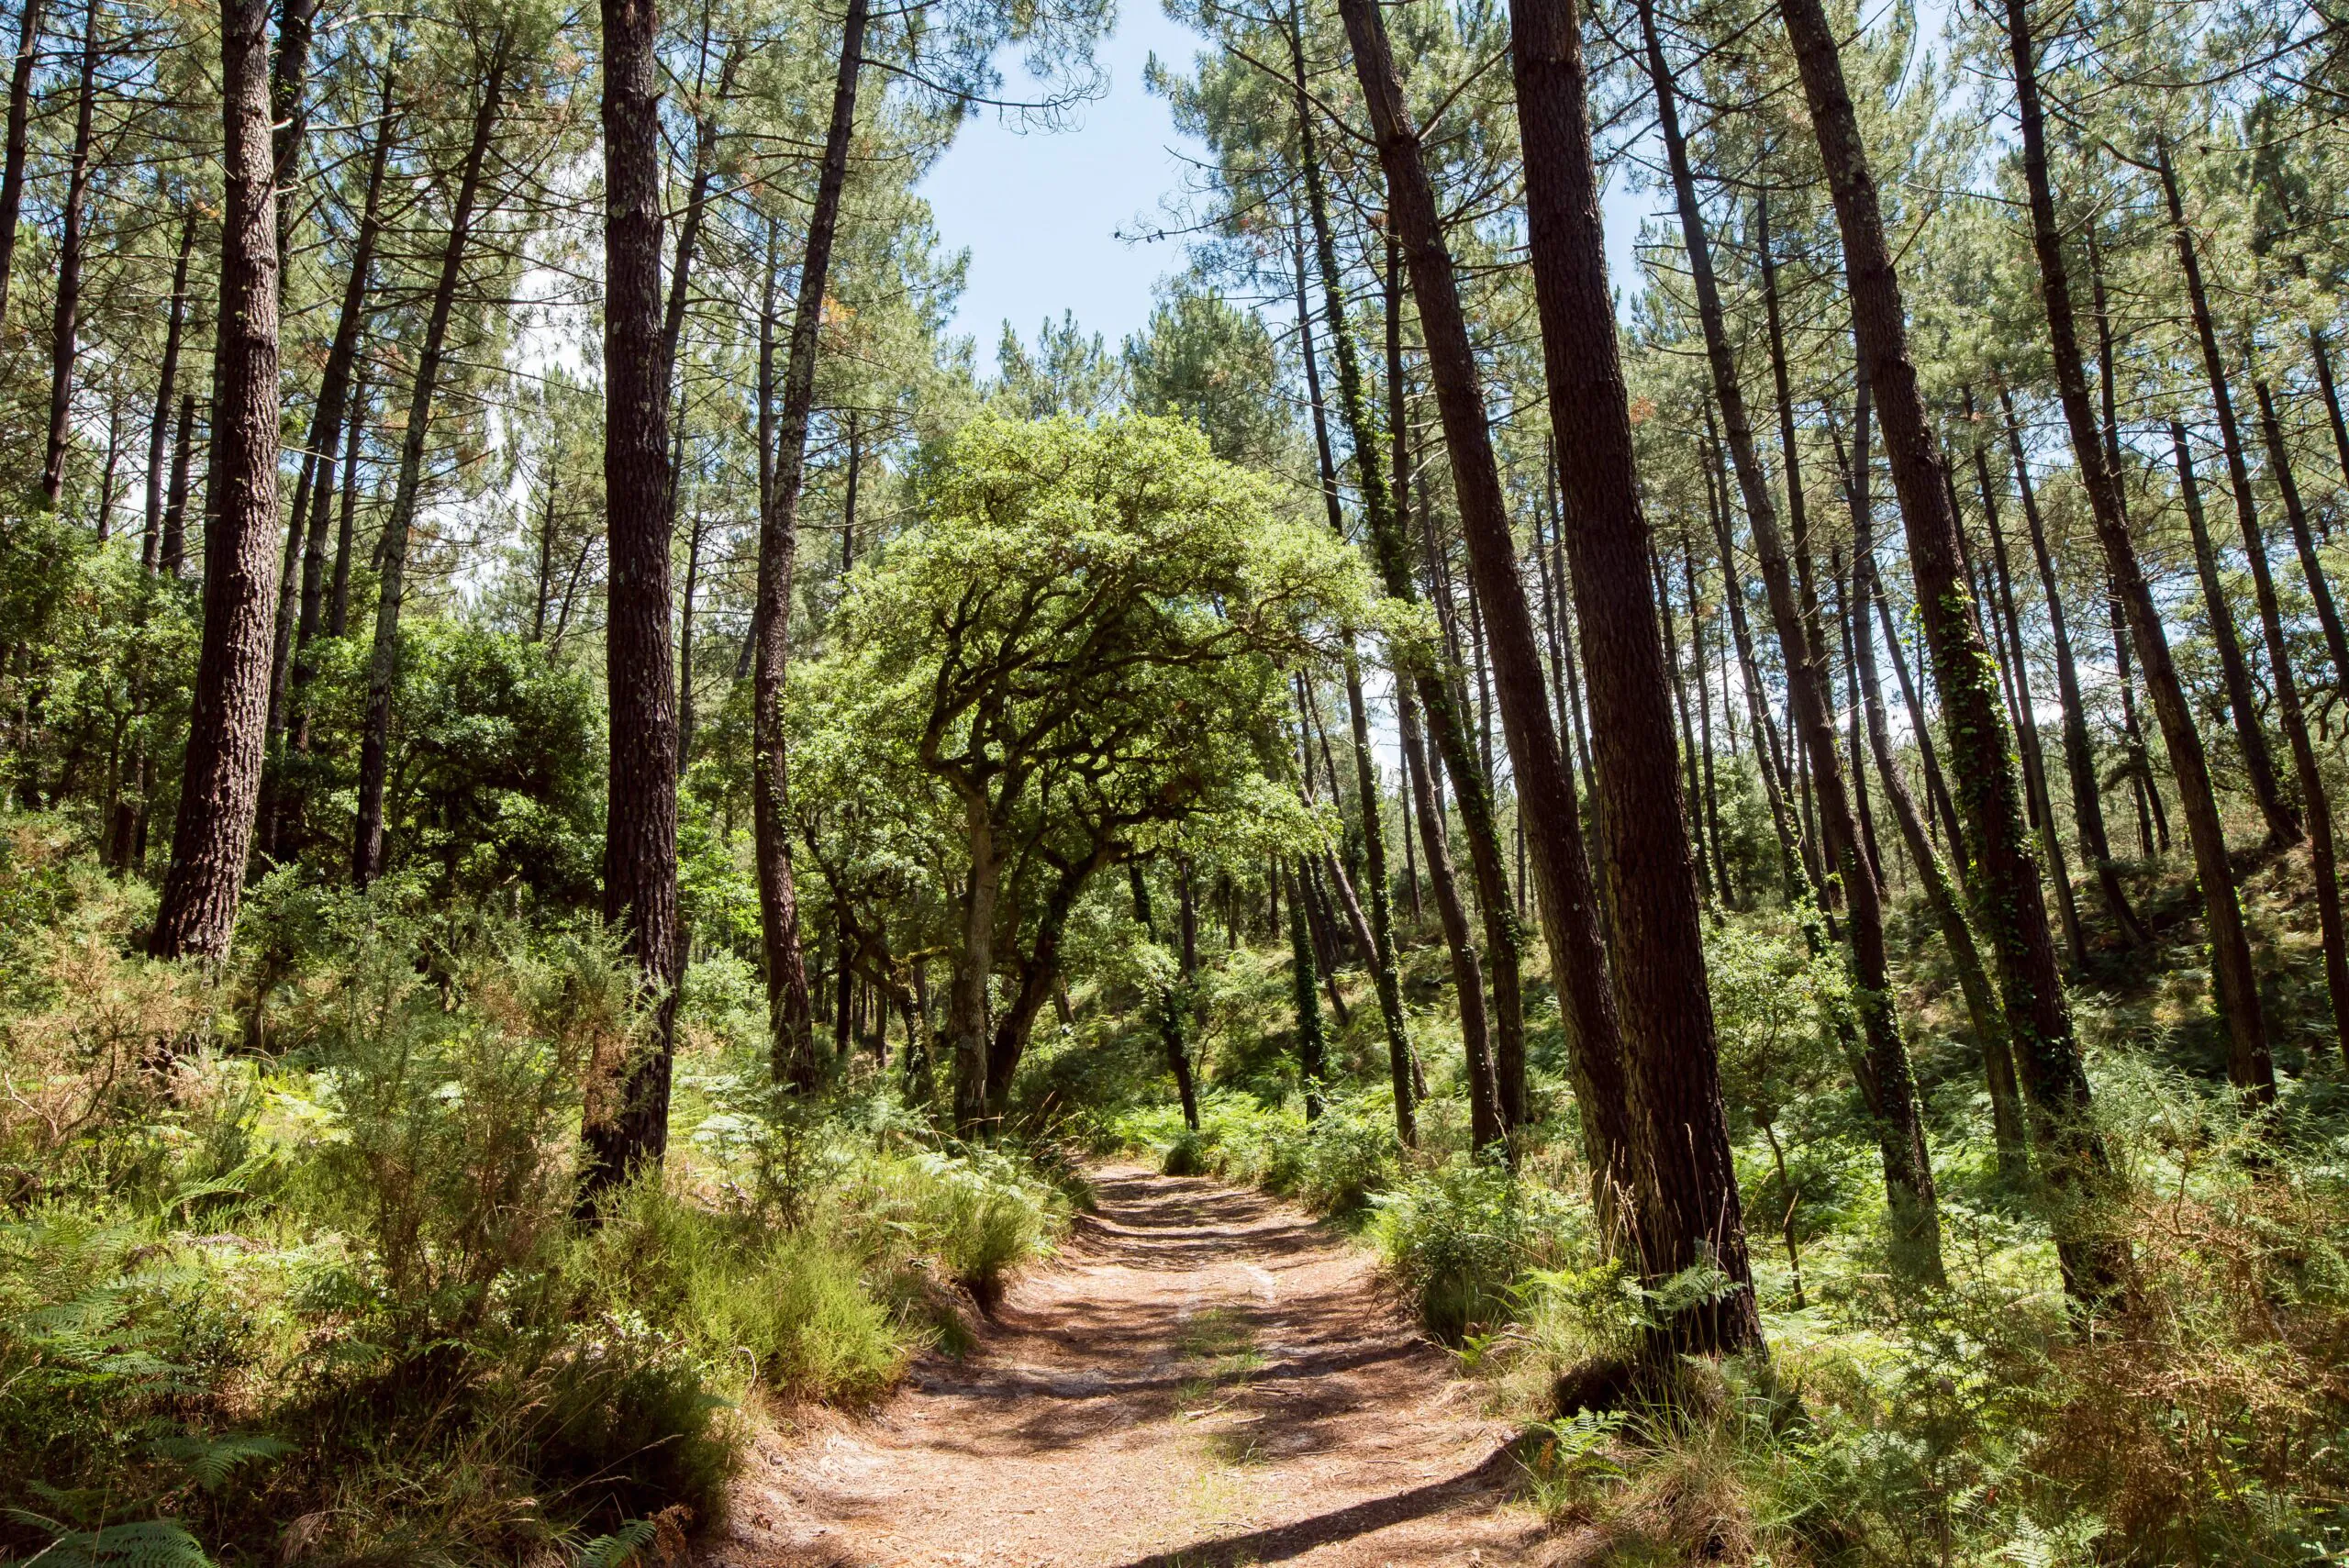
x: 1205, y: 1378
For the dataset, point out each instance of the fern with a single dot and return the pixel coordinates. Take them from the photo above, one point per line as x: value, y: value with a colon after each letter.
x: 208, y: 1461
x: 619, y: 1549
x: 150, y: 1543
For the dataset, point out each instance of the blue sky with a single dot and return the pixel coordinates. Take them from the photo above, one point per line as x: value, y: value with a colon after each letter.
x: 1041, y: 212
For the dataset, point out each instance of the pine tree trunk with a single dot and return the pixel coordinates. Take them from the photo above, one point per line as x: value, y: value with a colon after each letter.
x: 685, y: 648
x: 20, y: 106
x: 1444, y: 883
x: 383, y: 668
x: 626, y: 1124
x: 173, y: 553
x: 166, y: 385
x: 221, y: 783
x: 788, y: 1019
x: 2079, y: 756
x: 1689, y: 1209
x: 339, y: 615
x: 2323, y: 358
x: 1886, y: 1079
x: 1704, y: 714
x: 1562, y: 872
x: 65, y: 325
x: 1790, y: 856
x: 2025, y: 711
x: 2319, y: 591
x: 1989, y: 1019
x: 1379, y: 938
x: 2005, y: 885
x: 2243, y: 699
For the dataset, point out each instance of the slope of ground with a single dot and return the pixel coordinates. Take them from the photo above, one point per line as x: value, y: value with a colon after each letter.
x: 1205, y: 1377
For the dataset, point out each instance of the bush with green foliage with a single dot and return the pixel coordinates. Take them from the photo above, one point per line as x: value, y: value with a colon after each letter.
x: 318, y: 1284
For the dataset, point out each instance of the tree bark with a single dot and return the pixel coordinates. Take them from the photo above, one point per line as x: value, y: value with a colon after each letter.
x: 2025, y: 711
x: 221, y: 783
x: 1688, y: 1211
x: 65, y: 325
x: 1791, y: 860
x: 1307, y: 1001
x: 1886, y: 1080
x: 787, y: 1009
x: 383, y: 667
x: 2296, y: 517
x: 159, y: 433
x: 2243, y: 699
x: 355, y: 432
x: 20, y: 108
x: 2319, y: 352
x: 172, y: 553
x: 2230, y: 432
x: 1380, y: 943
x: 1444, y: 709
x: 2079, y: 756
x: 2005, y: 884
x: 1443, y: 883
x: 1989, y: 1019
x: 626, y: 1124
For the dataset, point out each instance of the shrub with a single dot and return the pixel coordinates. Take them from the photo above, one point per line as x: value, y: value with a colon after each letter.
x: 1461, y: 1236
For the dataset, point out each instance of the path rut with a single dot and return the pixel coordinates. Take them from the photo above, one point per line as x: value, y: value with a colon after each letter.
x: 1205, y: 1377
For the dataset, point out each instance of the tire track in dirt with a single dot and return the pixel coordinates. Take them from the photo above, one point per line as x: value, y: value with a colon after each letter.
x: 1205, y: 1378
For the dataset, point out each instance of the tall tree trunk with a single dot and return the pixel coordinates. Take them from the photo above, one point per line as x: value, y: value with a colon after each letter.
x: 2025, y: 711
x: 1443, y: 883
x: 20, y: 110
x: 1885, y: 1077
x: 625, y: 1123
x: 2005, y: 884
x: 2079, y: 756
x: 221, y: 783
x: 289, y: 106
x: 159, y: 432
x: 383, y: 667
x: 1568, y: 914
x: 1691, y: 789
x: 686, y: 648
x: 2152, y: 818
x: 2257, y: 1077
x: 1689, y: 1211
x: 2243, y: 699
x: 1791, y: 860
x: 172, y: 551
x: 1380, y: 945
x: 786, y: 976
x: 1989, y: 1019
x: 2323, y: 358
x: 338, y: 613
x: 2221, y: 400
x: 1936, y: 785
x: 2295, y: 517
x: 1704, y: 714
x: 65, y: 325
x: 1309, y: 1041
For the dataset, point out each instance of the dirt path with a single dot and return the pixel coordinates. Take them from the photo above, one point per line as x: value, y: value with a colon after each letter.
x: 1206, y: 1378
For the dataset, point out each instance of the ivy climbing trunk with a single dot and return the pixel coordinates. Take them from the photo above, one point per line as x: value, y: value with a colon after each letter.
x: 2005, y: 883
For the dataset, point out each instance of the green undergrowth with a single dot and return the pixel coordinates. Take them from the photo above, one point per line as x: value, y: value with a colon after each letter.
x: 289, y: 1270
x: 2201, y: 1416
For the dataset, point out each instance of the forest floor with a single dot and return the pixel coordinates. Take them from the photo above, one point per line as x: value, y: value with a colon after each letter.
x: 1205, y: 1378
